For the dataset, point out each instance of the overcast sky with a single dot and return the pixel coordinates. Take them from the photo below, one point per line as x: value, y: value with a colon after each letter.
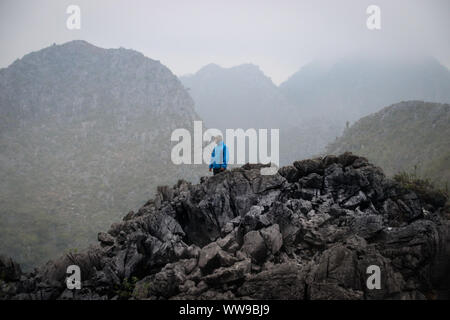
x: 278, y: 35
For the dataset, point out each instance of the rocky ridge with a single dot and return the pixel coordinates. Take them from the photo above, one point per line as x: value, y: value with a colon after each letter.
x: 308, y: 232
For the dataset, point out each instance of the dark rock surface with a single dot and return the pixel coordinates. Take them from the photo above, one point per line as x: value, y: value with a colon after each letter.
x: 308, y: 232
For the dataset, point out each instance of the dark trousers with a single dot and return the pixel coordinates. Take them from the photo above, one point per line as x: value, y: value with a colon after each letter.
x: 216, y: 171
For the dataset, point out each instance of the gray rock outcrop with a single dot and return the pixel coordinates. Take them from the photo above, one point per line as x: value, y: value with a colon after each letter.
x: 308, y: 232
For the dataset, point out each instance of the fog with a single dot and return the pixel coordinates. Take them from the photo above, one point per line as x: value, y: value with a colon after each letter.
x: 279, y: 36
x: 85, y: 133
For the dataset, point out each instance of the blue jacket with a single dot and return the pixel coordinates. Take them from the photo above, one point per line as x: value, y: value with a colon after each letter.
x: 219, y: 156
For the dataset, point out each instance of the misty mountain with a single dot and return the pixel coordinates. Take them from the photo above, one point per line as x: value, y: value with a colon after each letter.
x: 312, y: 107
x: 353, y: 87
x: 237, y: 97
x: 243, y: 97
x: 410, y: 136
x: 84, y: 137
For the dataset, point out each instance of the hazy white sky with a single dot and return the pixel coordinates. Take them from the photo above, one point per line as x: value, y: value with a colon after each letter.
x: 278, y: 35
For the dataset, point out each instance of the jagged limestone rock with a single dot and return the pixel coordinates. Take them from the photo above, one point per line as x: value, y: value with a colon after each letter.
x: 240, y: 235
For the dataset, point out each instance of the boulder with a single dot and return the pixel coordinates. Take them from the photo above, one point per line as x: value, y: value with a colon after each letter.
x: 105, y: 239
x: 272, y: 238
x: 254, y: 246
x: 212, y: 257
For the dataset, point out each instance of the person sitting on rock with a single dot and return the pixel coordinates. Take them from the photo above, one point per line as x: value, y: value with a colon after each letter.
x: 219, y: 156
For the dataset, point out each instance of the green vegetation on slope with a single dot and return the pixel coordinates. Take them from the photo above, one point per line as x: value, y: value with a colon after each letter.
x: 409, y: 136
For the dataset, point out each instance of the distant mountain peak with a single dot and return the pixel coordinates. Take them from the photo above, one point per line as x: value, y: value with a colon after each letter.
x: 93, y: 126
x: 78, y: 43
x: 355, y: 86
x: 213, y: 68
x: 210, y: 66
x: 77, y: 49
x: 248, y: 96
